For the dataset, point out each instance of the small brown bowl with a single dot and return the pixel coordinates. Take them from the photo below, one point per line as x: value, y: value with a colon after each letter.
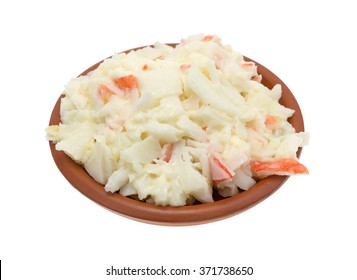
x: 182, y: 215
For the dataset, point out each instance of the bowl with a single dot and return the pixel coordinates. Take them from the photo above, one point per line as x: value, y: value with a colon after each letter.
x: 182, y: 215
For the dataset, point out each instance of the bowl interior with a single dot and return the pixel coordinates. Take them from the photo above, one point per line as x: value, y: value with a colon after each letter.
x: 183, y: 215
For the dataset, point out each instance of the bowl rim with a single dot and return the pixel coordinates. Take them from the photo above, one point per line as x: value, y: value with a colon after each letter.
x: 176, y: 215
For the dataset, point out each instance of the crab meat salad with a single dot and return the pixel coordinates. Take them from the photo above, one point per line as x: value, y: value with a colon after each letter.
x: 168, y: 125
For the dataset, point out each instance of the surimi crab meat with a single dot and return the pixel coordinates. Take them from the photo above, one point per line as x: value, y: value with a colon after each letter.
x: 185, y: 66
x: 207, y: 38
x: 105, y: 93
x: 283, y: 166
x: 220, y: 171
x: 166, y: 152
x: 271, y: 121
x: 247, y: 64
x: 257, y: 78
x: 126, y: 83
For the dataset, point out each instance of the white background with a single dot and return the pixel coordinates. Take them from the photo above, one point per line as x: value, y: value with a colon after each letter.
x: 306, y: 230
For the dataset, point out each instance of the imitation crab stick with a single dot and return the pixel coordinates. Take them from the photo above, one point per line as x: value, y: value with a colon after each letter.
x: 185, y: 66
x: 207, y: 38
x: 220, y: 171
x: 105, y: 92
x: 247, y: 64
x: 126, y: 83
x: 166, y: 152
x: 257, y: 78
x: 282, y: 166
x: 270, y: 121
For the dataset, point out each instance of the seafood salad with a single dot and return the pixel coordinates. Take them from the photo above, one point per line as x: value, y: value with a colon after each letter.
x: 169, y: 124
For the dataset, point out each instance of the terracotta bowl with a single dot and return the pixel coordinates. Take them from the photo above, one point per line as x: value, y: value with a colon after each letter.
x: 183, y: 215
